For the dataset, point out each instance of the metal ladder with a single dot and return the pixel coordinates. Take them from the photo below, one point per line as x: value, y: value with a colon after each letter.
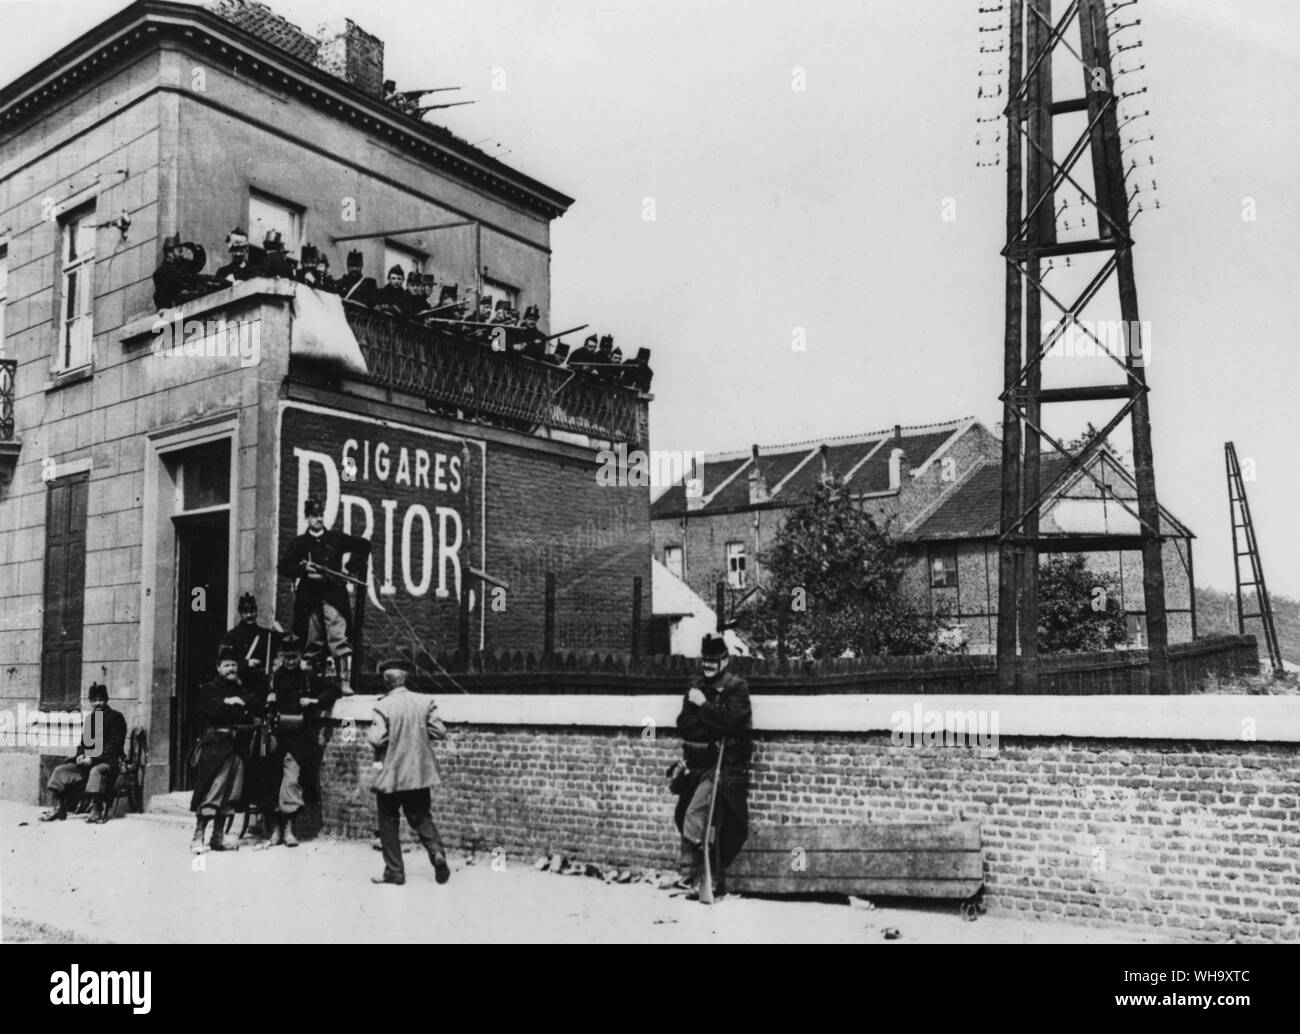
x: 1239, y: 511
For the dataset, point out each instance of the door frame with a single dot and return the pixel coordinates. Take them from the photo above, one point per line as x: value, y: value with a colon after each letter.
x: 158, y: 572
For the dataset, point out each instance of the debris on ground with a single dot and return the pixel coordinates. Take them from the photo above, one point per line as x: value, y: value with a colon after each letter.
x: 892, y: 933
x: 862, y: 904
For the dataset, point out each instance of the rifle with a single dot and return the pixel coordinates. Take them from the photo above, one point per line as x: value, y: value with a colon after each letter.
x: 706, y: 885
x: 313, y: 566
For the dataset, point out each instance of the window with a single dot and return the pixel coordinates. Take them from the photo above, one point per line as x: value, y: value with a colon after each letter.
x: 943, y: 569
x: 736, y: 565
x: 497, y: 290
x: 203, y: 477
x: 407, y: 258
x: 78, y: 289
x: 1136, y: 627
x: 673, y: 559
x: 4, y: 292
x: 65, y: 591
x: 266, y: 213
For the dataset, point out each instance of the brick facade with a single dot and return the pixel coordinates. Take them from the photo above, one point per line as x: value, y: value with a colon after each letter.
x: 1191, y: 840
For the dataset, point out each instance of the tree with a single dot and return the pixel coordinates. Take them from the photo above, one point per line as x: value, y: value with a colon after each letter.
x: 1078, y: 609
x: 835, y: 577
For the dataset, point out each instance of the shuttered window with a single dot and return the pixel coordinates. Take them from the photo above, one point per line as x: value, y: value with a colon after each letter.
x: 65, y: 592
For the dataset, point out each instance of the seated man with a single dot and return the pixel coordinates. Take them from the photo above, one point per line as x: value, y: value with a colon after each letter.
x: 103, y: 742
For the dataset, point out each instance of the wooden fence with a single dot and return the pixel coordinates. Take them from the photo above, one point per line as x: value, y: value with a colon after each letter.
x: 1115, y: 672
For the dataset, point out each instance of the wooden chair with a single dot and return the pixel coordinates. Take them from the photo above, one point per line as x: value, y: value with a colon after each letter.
x: 130, y: 778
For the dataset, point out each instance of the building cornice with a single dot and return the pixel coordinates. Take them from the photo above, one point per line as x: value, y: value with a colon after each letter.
x: 148, y: 23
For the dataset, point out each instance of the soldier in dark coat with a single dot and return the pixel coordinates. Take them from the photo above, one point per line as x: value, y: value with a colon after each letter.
x: 177, y: 280
x: 392, y: 297
x: 354, y: 285
x: 322, y: 612
x: 275, y: 262
x: 255, y: 643
x: 716, y: 706
x: 228, y: 710
x: 95, y: 767
x: 294, y: 703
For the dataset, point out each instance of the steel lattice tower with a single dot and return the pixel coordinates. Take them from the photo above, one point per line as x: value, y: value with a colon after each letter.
x: 1034, y: 177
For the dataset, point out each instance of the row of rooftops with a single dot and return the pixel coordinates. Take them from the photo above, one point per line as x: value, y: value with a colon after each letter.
x: 789, y: 472
x: 968, y: 508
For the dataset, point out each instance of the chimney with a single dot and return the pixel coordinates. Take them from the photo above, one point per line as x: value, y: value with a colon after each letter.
x: 896, y: 458
x: 824, y: 451
x: 352, y: 54
x: 898, y: 432
x: 757, y: 483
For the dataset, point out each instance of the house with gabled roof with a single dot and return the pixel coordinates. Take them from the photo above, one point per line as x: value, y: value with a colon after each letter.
x: 937, y: 489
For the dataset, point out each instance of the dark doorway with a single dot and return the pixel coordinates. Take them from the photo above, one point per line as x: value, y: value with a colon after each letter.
x: 202, y: 557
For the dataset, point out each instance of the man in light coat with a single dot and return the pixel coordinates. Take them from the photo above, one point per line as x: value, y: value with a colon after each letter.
x: 404, y: 726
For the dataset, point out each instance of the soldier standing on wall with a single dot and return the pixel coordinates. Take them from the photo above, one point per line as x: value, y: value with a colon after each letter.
x: 322, y: 612
x: 716, y: 707
x: 355, y: 286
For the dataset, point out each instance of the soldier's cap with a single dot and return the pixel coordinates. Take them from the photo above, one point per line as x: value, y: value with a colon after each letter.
x: 485, y: 300
x: 413, y: 276
x: 607, y: 342
x: 532, y: 313
x: 428, y: 280
x: 228, y: 653
x: 355, y: 258
x: 398, y: 270
x: 590, y: 341
x: 309, y: 255
x: 714, y: 648
x: 172, y: 242
x: 321, y: 259
x: 290, y: 644
x: 503, y: 304
x: 237, y: 238
x: 97, y: 691
x: 247, y: 602
x: 274, y: 241
x: 314, y: 507
x: 396, y: 664
x: 617, y: 355
x: 448, y: 292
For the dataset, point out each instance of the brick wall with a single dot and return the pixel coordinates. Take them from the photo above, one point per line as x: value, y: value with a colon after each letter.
x: 1187, y: 839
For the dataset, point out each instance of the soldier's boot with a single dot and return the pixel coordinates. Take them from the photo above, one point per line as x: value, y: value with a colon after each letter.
x: 57, y: 814
x: 277, y: 833
x: 97, y: 811
x: 220, y: 841
x: 287, y: 834
x: 200, y: 835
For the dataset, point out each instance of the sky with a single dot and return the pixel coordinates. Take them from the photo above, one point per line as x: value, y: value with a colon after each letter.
x: 854, y: 210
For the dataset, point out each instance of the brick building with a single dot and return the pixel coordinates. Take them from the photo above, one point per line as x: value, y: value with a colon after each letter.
x: 937, y: 489
x: 142, y: 488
